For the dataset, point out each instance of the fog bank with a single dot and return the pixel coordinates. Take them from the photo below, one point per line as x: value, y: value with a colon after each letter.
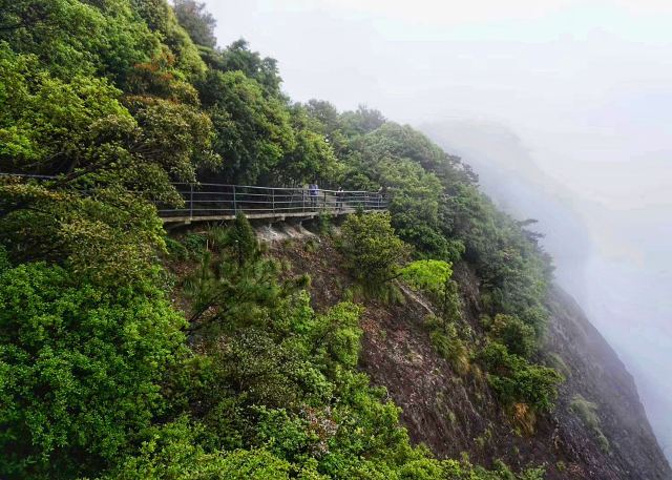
x: 606, y: 258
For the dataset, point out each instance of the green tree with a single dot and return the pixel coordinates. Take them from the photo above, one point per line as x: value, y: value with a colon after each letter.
x: 49, y: 125
x: 173, y: 451
x: 238, y: 57
x: 78, y: 38
x: 515, y: 380
x: 80, y: 127
x: 514, y: 271
x: 197, y: 21
x: 327, y: 121
x: 176, y: 42
x: 414, y: 194
x: 362, y: 121
x: 242, y: 240
x: 373, y: 252
x: 434, y: 278
x: 234, y: 281
x: 312, y: 156
x: 111, y: 236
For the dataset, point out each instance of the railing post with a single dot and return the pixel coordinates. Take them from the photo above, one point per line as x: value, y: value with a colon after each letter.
x: 235, y: 204
x: 273, y: 200
x: 191, y: 201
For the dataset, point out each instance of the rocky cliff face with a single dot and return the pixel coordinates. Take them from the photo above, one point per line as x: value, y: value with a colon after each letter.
x: 595, y: 374
x: 598, y: 431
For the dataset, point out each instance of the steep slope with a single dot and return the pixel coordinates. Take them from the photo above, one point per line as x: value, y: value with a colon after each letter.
x: 455, y: 414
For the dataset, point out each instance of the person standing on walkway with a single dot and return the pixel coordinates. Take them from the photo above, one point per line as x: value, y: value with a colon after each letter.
x: 339, y: 198
x: 382, y: 193
x: 314, y: 192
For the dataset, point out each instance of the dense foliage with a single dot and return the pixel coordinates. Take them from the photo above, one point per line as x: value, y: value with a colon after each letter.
x: 101, y: 376
x: 80, y: 369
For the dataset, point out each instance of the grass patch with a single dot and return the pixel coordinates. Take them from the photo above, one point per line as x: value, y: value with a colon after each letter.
x: 587, y: 412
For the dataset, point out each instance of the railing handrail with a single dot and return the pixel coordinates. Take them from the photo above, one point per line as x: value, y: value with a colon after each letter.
x: 196, y: 184
x: 257, y: 187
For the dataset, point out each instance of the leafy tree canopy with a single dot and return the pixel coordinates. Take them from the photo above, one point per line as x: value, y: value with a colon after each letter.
x: 238, y: 57
x: 253, y: 131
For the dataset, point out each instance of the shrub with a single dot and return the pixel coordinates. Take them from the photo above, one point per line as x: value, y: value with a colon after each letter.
x: 517, y: 381
x: 448, y: 344
x: 324, y: 223
x: 194, y: 243
x: 242, y: 240
x: 557, y: 362
x: 173, y: 451
x: 433, y: 277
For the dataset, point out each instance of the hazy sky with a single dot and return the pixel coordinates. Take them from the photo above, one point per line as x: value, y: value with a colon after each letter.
x: 586, y: 86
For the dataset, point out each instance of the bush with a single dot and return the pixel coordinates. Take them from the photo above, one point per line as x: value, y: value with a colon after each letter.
x: 194, y: 244
x: 242, y: 240
x: 428, y: 275
x: 555, y: 361
x: 518, y: 337
x: 451, y: 347
x: 517, y: 381
x: 324, y: 223
x: 173, y: 451
x: 433, y: 277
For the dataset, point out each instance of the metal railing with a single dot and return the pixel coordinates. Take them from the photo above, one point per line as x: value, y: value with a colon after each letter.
x: 214, y: 200
x: 219, y: 200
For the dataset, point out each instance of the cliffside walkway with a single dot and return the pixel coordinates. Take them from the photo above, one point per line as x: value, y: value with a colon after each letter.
x: 205, y: 202
x: 219, y: 202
